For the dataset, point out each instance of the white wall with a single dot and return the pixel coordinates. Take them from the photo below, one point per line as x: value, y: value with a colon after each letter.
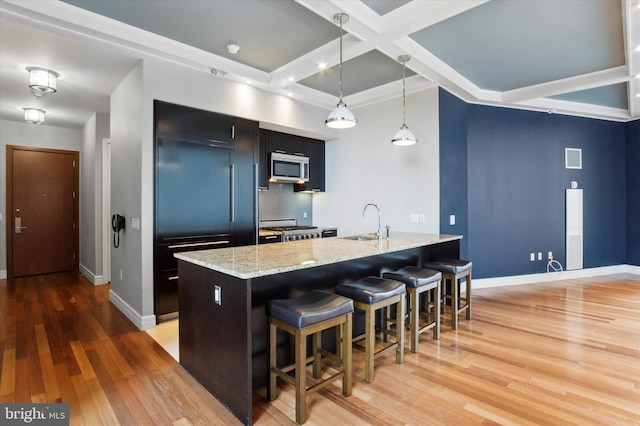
x: 25, y: 134
x: 91, y: 241
x: 127, y: 124
x: 362, y: 166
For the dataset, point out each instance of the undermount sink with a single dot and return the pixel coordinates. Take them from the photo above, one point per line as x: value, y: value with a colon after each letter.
x: 367, y: 237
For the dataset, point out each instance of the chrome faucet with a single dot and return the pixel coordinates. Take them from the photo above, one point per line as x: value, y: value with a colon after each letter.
x: 379, y: 233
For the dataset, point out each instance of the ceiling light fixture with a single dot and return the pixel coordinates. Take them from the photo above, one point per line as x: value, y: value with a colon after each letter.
x: 233, y: 48
x: 34, y: 115
x: 341, y: 117
x: 404, y: 135
x: 42, y: 80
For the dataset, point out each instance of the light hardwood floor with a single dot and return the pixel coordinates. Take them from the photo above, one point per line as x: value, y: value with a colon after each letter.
x: 563, y: 352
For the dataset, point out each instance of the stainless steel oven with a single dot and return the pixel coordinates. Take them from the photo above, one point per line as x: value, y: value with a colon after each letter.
x: 282, y: 230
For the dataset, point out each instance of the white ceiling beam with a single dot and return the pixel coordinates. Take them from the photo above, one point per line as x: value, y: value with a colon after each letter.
x: 631, y: 29
x: 557, y: 106
x: 568, y: 85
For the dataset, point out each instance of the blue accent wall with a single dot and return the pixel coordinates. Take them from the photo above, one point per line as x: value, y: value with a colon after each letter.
x: 453, y: 168
x: 633, y: 192
x: 514, y: 185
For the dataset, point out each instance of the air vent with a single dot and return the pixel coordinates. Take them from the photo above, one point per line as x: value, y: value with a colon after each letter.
x: 573, y: 158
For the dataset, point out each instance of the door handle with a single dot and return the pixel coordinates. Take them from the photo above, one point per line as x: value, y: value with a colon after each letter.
x: 233, y: 193
x: 19, y: 226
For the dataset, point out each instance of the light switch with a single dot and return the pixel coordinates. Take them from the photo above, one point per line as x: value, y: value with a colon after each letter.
x: 135, y: 223
x: 452, y: 219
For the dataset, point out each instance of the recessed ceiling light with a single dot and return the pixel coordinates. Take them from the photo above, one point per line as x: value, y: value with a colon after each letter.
x: 290, y: 94
x: 322, y: 65
x: 292, y: 79
x: 233, y: 48
x: 247, y: 81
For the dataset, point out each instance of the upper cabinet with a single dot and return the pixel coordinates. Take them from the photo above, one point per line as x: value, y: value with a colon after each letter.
x: 315, y: 152
x: 271, y: 141
x: 185, y: 124
x: 285, y: 143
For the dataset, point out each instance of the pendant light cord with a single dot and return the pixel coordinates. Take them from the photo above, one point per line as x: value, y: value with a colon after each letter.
x: 404, y: 121
x: 341, y: 18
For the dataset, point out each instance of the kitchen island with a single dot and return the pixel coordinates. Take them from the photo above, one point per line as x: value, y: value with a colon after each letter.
x: 223, y: 327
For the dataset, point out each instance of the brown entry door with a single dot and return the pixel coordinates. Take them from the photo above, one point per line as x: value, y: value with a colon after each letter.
x: 42, y: 202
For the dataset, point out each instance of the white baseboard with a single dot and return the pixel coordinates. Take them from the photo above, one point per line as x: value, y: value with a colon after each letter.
x: 545, y: 277
x: 94, y: 279
x: 142, y: 322
x: 3, y: 274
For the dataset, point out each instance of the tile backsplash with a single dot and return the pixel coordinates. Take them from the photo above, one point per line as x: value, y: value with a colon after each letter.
x: 281, y: 202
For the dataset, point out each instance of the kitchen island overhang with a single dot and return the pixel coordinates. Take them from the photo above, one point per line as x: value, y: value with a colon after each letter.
x: 223, y: 327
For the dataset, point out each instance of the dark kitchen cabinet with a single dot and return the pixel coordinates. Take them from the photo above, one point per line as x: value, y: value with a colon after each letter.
x: 285, y: 143
x: 263, y: 163
x: 187, y: 124
x: 271, y: 141
x: 315, y: 152
x: 205, y: 189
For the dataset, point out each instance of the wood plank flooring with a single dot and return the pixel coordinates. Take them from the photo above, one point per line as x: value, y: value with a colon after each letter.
x: 554, y: 353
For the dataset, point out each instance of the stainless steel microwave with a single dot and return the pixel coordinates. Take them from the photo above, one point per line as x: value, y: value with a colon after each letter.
x: 289, y: 168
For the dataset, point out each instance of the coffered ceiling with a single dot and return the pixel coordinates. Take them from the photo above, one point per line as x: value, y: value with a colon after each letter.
x: 577, y: 57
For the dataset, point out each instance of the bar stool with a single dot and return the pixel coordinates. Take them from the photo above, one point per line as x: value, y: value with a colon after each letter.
x: 371, y: 294
x: 419, y: 281
x: 454, y: 270
x: 309, y: 315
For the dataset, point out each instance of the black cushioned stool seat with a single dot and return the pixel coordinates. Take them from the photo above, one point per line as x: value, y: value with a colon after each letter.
x: 420, y: 282
x: 454, y: 270
x: 309, y: 315
x: 370, y: 294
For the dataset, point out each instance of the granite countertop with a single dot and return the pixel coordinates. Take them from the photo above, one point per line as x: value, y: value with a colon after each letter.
x: 267, y: 259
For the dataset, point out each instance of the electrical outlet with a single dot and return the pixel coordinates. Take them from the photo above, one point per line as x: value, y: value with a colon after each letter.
x: 217, y: 294
x: 532, y: 257
x: 539, y: 255
x: 423, y: 217
x: 414, y: 218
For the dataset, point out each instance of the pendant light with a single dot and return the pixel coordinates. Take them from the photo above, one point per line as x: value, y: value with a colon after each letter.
x: 404, y: 135
x: 341, y: 117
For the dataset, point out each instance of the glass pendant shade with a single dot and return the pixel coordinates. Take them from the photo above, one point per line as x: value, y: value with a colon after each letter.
x: 34, y: 115
x: 340, y: 117
x: 42, y: 80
